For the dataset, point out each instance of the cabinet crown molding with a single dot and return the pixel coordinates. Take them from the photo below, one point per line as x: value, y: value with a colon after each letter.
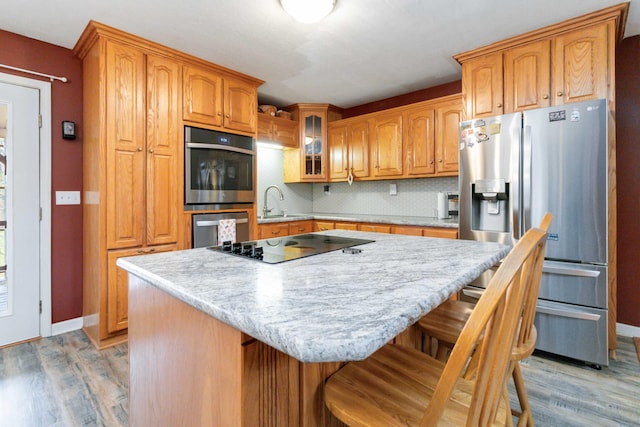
x: 96, y: 30
x: 618, y: 13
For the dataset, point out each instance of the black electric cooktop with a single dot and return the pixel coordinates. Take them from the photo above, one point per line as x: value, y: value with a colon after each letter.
x: 274, y: 251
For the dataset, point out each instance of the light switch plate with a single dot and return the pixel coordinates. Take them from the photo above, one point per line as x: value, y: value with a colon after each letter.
x: 67, y: 197
x: 393, y: 189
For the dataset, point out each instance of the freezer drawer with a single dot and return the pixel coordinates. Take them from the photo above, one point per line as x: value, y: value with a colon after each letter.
x: 572, y: 283
x: 572, y: 331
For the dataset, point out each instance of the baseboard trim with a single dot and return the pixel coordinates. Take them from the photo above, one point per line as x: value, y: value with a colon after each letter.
x: 66, y: 326
x: 627, y: 330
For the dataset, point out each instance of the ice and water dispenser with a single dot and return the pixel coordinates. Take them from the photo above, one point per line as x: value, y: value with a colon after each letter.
x: 490, y: 205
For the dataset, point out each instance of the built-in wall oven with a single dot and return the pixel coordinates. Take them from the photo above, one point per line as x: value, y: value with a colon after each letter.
x: 218, y: 169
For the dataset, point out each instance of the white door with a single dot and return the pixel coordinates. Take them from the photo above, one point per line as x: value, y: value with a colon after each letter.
x: 19, y: 214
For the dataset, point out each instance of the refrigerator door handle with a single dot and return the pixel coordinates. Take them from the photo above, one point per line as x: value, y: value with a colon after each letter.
x: 515, y: 184
x: 526, y: 178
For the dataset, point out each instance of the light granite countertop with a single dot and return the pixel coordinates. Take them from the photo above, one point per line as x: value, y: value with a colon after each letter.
x: 421, y: 221
x: 328, y: 307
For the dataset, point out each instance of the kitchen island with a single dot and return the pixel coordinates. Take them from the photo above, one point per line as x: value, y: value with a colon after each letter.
x: 221, y: 340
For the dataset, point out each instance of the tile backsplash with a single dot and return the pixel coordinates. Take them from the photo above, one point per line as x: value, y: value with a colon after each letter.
x: 415, y: 197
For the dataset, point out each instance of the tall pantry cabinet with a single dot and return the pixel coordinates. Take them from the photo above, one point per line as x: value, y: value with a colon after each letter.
x: 130, y: 169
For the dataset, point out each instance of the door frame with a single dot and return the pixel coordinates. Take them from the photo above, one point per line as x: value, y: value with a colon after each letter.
x: 45, y: 193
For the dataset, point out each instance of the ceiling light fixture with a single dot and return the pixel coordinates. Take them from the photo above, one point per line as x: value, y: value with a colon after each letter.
x: 308, y: 11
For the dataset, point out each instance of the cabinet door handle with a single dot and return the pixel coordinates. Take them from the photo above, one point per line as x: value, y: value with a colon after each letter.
x: 431, y: 162
x: 151, y: 150
x: 227, y: 116
x: 560, y: 93
x: 545, y: 96
x: 139, y: 148
x: 440, y: 161
x: 275, y: 232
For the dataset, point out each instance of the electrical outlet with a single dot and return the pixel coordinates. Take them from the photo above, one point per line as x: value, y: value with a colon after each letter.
x: 67, y: 197
x: 393, y: 189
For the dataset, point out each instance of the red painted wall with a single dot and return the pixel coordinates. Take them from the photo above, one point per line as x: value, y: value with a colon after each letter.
x: 408, y: 98
x: 628, y: 179
x: 66, y: 104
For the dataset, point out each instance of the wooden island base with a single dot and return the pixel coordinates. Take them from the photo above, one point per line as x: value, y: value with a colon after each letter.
x: 189, y: 369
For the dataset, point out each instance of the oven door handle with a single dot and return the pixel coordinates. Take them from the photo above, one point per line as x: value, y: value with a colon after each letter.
x: 216, y: 223
x: 219, y: 147
x: 567, y: 313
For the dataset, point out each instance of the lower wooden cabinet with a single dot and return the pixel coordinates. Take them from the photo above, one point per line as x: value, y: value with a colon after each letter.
x: 271, y: 230
x: 279, y: 229
x: 117, y: 315
x: 375, y: 228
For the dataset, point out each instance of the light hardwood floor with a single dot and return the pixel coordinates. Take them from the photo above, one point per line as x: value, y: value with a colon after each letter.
x: 64, y: 381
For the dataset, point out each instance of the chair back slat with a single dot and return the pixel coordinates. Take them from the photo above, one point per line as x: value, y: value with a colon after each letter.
x: 533, y: 288
x: 497, y: 314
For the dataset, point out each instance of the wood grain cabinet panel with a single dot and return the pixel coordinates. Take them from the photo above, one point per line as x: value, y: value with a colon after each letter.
x: 419, y: 136
x: 386, y: 144
x: 323, y: 225
x: 125, y: 145
x: 118, y: 286
x: 219, y: 100
x: 527, y: 76
x: 300, y: 227
x: 202, y: 96
x: 580, y: 65
x: 348, y: 142
x: 271, y: 230
x: 278, y: 130
x: 162, y: 157
x: 240, y: 105
x: 482, y: 87
x: 448, y: 118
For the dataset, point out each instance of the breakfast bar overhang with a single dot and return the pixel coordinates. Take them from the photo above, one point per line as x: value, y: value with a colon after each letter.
x: 221, y: 340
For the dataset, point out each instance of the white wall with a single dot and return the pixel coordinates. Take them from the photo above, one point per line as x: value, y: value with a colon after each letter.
x: 297, y: 197
x: 415, y: 197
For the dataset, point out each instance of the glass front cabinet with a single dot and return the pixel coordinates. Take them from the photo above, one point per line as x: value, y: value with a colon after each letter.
x: 310, y: 161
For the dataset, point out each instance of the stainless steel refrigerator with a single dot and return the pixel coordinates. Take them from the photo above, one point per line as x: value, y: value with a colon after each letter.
x: 516, y: 167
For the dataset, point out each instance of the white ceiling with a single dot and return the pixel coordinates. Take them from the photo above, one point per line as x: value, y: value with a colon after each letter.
x: 365, y: 50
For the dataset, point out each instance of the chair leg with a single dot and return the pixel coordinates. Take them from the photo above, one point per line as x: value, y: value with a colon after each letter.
x: 525, y: 417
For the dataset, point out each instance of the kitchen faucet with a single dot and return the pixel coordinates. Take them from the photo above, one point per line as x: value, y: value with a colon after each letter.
x: 265, y: 209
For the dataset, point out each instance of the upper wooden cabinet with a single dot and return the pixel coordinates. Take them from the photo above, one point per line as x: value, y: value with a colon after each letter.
x: 217, y: 100
x: 448, y: 118
x: 386, y: 144
x: 309, y: 162
x: 527, y: 77
x: 482, y: 88
x: 417, y: 140
x: 568, y: 62
x: 582, y: 66
x: 278, y: 130
x: 349, y: 149
x: 419, y: 136
x: 431, y: 137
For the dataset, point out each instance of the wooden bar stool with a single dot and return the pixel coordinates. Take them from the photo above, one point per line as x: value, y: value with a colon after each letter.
x: 401, y: 386
x: 445, y: 323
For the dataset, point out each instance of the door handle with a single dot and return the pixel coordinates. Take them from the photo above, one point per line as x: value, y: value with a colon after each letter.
x: 203, y: 223
x: 567, y: 271
x: 567, y: 313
